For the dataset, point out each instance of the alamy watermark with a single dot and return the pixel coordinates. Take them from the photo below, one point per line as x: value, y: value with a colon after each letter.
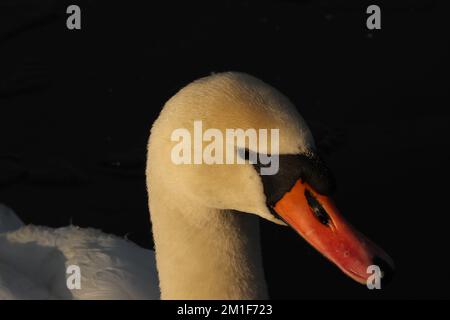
x: 73, y: 281
x: 374, y: 280
x: 73, y: 21
x: 235, y: 146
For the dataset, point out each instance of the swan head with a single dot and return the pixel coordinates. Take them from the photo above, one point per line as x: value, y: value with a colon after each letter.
x: 232, y: 142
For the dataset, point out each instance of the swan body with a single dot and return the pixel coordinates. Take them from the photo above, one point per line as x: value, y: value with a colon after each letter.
x: 34, y: 262
x: 204, y: 217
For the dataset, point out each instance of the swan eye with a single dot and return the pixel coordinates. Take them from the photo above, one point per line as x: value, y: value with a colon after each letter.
x: 317, y: 209
x: 244, y: 154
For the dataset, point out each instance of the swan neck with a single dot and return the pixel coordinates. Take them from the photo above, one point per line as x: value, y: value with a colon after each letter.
x: 205, y: 253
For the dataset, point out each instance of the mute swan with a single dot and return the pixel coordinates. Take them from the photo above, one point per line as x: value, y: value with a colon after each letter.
x: 204, y: 217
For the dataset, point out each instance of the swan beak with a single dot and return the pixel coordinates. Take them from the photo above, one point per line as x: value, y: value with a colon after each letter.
x: 317, y: 220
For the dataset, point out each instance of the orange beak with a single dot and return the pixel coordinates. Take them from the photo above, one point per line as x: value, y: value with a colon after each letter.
x: 317, y: 220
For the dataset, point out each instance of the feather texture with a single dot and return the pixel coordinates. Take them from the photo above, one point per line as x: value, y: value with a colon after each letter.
x: 34, y: 262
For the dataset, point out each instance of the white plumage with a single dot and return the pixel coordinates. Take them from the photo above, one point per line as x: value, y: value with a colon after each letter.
x: 34, y: 260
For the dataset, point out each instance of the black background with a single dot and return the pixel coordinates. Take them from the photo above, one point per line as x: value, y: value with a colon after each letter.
x: 76, y: 108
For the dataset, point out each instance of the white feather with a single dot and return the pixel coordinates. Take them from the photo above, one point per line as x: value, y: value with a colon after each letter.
x: 8, y: 219
x: 34, y: 261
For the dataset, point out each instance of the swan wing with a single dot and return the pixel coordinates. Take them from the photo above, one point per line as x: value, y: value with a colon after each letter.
x: 37, y: 263
x: 8, y: 219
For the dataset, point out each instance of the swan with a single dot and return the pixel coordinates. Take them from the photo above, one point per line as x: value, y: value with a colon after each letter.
x: 204, y: 216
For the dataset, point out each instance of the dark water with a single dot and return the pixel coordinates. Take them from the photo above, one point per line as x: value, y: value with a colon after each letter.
x: 76, y: 108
